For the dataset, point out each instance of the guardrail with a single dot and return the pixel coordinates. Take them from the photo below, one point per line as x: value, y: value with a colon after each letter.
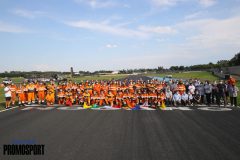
x: 221, y: 72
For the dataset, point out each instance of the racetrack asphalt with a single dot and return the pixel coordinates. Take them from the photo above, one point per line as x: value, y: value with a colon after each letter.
x: 125, y: 135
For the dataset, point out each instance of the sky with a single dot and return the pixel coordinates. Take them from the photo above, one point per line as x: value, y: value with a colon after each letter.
x: 90, y: 35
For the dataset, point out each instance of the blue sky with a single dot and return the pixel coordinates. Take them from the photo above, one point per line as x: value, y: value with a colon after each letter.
x: 53, y: 35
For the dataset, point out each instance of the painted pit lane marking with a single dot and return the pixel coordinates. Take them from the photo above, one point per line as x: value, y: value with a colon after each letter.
x: 74, y: 108
x: 216, y: 109
x: 176, y: 108
x: 106, y: 109
x: 38, y: 108
x: 45, y: 108
x: 71, y: 108
x: 9, y: 109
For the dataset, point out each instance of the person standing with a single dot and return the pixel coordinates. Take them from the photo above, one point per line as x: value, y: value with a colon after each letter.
x: 191, y: 88
x: 50, y: 99
x: 214, y: 92
x: 201, y: 92
x: 41, y: 89
x: 8, y: 95
x: 31, y: 92
x: 208, y: 92
x: 13, y: 89
x: 21, y: 95
x: 181, y: 87
x: 233, y: 93
x: 221, y: 93
x: 169, y: 96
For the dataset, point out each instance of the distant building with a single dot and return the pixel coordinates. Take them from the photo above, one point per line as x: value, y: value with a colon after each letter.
x: 115, y: 72
x: 76, y: 73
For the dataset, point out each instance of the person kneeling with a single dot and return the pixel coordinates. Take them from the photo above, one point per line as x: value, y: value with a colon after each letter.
x: 176, y: 99
x: 184, y: 98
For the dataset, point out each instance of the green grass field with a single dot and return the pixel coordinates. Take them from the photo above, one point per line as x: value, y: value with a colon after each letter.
x: 189, y: 75
x: 99, y: 77
x: 183, y: 75
x: 15, y: 79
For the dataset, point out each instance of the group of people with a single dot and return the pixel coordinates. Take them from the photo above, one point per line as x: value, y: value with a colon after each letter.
x: 123, y: 94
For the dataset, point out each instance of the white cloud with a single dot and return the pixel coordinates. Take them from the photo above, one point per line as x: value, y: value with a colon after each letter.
x: 207, y: 3
x: 168, y: 3
x: 98, y: 3
x: 111, y: 46
x: 119, y: 30
x: 195, y: 15
x: 5, y: 27
x: 213, y: 32
x: 106, y: 28
x: 157, y: 29
x: 27, y: 13
x: 164, y: 2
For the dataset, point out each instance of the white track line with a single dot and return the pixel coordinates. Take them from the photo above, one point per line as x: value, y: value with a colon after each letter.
x: 9, y: 109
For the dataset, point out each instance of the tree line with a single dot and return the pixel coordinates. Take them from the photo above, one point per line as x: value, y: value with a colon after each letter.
x: 235, y: 61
